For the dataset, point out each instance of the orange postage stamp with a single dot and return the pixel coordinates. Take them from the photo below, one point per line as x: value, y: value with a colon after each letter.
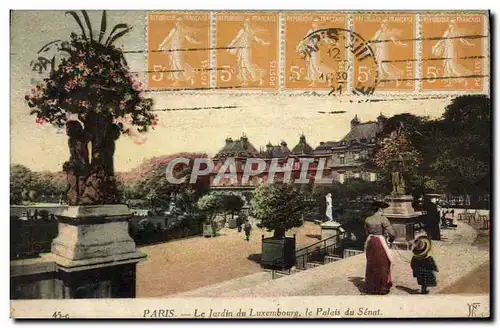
x: 247, y: 50
x: 392, y: 37
x: 313, y: 72
x: 178, y: 50
x: 452, y: 52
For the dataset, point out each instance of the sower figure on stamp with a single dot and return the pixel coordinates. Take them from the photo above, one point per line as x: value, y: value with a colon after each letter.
x: 445, y: 48
x: 378, y: 257
x: 77, y: 166
x: 309, y: 47
x: 423, y: 264
x: 180, y: 70
x: 241, y: 45
x: 380, y: 42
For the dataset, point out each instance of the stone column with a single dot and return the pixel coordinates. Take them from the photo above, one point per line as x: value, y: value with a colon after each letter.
x: 402, y: 217
x: 94, y: 253
x: 331, y: 229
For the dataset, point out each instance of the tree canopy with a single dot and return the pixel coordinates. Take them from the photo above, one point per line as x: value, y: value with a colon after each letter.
x: 278, y: 207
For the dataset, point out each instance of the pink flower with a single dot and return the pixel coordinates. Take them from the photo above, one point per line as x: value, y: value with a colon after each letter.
x: 70, y: 85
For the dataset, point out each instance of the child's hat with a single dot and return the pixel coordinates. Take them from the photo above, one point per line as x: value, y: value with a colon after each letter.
x: 421, y: 246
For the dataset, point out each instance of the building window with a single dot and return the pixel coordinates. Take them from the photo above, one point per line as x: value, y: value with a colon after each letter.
x: 342, y: 159
x: 356, y: 156
x: 356, y: 175
x: 373, y: 177
x: 341, y: 177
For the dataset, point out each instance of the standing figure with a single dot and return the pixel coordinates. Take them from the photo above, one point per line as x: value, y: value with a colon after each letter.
x: 241, y: 45
x: 247, y: 228
x: 239, y: 223
x: 445, y: 48
x: 423, y: 264
x: 179, y: 69
x: 329, y: 207
x: 315, y: 68
x: 378, y: 257
x: 380, y: 41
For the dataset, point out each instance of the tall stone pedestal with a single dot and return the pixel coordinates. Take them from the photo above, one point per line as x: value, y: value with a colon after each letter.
x: 402, y: 217
x: 331, y: 229
x: 94, y: 253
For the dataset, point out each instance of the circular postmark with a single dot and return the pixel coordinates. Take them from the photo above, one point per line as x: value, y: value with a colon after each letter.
x: 327, y: 52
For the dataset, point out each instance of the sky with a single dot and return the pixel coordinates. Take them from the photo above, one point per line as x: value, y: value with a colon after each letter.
x: 263, y: 117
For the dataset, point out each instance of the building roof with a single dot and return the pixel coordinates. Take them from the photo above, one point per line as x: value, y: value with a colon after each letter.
x: 302, y: 147
x: 277, y: 151
x: 360, y: 131
x: 238, y: 148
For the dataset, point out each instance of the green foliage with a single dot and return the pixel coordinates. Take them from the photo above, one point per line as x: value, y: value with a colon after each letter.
x: 453, y: 151
x: 210, y: 205
x: 26, y: 185
x: 278, y: 207
x: 231, y: 203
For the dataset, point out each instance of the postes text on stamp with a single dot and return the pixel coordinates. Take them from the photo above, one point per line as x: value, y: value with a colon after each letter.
x: 452, y: 52
x: 178, y: 50
x: 392, y: 37
x: 312, y: 72
x: 247, y: 50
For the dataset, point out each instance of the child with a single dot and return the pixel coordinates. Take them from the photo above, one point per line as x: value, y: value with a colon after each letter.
x: 423, y: 264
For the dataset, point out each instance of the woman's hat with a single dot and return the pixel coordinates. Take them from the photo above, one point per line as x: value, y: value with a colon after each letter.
x: 376, y: 204
x: 421, y: 246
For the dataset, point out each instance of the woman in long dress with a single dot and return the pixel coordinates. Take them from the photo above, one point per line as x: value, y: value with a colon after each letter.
x: 445, y: 48
x: 378, y: 279
x: 380, y: 41
x: 179, y: 69
x: 241, y: 45
x: 314, y: 66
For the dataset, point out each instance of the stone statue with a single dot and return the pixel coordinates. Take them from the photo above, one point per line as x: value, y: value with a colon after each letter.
x: 329, y: 207
x: 78, y: 165
x: 398, y: 183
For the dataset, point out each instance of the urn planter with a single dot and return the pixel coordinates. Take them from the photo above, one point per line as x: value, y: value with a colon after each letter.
x: 278, y: 253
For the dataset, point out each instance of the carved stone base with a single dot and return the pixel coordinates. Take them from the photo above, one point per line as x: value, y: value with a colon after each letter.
x: 94, y: 236
x: 402, y: 217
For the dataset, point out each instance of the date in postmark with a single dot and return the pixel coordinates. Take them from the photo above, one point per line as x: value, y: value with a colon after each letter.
x: 343, y: 39
x: 452, y: 52
x: 247, y: 50
x: 321, y: 69
x: 392, y: 37
x: 178, y: 50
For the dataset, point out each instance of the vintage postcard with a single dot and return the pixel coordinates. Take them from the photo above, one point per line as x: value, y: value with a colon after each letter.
x: 250, y: 164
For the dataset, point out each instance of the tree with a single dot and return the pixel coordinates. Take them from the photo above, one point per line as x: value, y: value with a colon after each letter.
x: 462, y: 149
x: 278, y: 207
x: 397, y: 156
x: 232, y: 204
x: 92, y: 82
x: 210, y: 205
x: 20, y: 181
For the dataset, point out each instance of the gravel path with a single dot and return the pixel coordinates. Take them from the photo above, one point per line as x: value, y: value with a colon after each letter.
x: 455, y: 258
x: 191, y: 263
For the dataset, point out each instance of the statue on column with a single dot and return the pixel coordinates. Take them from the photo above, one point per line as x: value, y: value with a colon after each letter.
x: 398, y: 182
x: 329, y: 207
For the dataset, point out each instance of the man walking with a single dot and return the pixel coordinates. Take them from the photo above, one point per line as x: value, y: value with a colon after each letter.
x: 239, y: 223
x: 247, y: 228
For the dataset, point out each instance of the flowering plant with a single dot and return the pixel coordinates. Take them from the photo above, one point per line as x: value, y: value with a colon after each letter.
x: 91, y: 79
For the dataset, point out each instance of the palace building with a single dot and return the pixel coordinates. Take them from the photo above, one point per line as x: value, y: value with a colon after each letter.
x: 341, y: 160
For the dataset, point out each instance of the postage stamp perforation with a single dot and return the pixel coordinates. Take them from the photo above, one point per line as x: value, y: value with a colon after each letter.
x: 282, y: 45
x: 418, y: 53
